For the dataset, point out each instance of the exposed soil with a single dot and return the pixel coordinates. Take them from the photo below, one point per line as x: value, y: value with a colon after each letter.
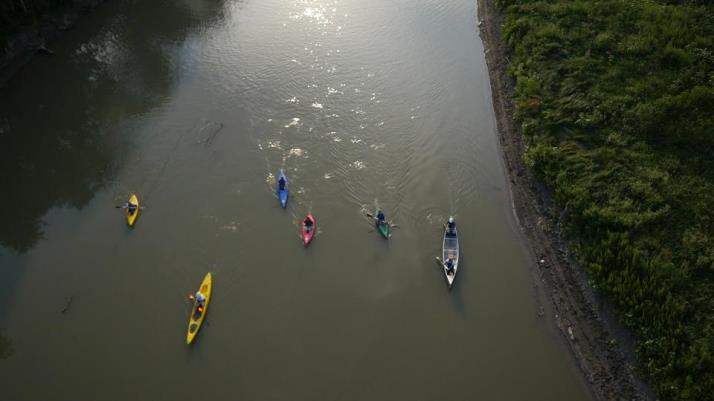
x: 601, y: 348
x: 37, y: 39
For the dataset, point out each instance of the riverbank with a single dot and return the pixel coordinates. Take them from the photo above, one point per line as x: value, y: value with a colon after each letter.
x: 18, y: 48
x: 606, y: 365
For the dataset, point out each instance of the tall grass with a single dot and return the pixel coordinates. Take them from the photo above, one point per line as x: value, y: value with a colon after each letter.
x: 616, y: 103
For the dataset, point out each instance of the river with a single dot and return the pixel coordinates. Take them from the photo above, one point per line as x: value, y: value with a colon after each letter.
x: 195, y: 105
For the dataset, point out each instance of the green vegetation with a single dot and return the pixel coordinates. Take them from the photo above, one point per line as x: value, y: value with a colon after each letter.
x: 616, y: 103
x: 17, y: 13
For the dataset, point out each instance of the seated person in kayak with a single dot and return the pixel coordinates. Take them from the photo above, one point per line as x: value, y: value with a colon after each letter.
x: 380, y: 218
x: 451, y: 225
x: 281, y: 183
x: 308, y: 225
x: 199, y: 299
x: 449, y: 266
x: 130, y: 207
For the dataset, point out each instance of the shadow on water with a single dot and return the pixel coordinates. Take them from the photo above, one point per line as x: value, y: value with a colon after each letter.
x: 62, y: 118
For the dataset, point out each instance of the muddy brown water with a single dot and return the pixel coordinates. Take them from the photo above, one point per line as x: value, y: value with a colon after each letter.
x: 195, y: 105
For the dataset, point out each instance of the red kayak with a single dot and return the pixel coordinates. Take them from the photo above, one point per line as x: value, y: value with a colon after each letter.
x: 308, y: 229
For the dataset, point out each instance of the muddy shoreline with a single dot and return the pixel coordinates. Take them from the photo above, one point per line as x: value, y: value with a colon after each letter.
x: 601, y: 347
x: 37, y: 39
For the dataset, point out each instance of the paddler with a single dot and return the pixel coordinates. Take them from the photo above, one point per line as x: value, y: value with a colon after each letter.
x: 281, y: 183
x: 308, y: 225
x: 380, y: 217
x: 451, y: 225
x: 449, y: 266
x: 130, y: 207
x: 199, y: 299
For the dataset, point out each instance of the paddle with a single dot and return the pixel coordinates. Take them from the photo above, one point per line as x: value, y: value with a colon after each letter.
x: 126, y: 207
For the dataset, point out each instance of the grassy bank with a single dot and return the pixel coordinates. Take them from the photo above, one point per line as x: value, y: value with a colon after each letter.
x: 616, y: 104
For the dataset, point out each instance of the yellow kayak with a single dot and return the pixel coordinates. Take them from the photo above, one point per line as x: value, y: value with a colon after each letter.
x: 131, y: 217
x: 195, y: 320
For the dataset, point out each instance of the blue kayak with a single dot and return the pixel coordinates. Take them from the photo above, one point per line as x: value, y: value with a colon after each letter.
x: 282, y: 192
